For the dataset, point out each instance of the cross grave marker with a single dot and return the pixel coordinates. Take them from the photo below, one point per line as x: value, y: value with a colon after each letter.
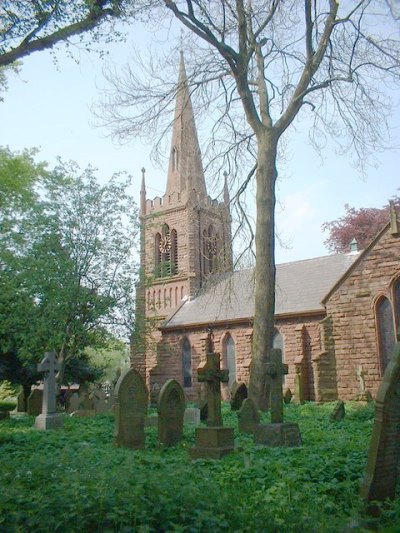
x: 212, y: 375
x: 49, y: 418
x: 275, y: 371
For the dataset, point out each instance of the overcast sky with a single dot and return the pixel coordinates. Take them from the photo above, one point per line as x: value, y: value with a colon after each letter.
x: 49, y: 107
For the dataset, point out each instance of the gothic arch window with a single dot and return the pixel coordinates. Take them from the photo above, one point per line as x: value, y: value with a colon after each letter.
x: 229, y: 355
x: 278, y: 342
x: 175, y: 158
x: 212, y: 249
x: 386, y: 330
x: 157, y: 253
x: 187, y: 363
x: 396, y: 301
x: 204, y: 257
x: 174, y: 252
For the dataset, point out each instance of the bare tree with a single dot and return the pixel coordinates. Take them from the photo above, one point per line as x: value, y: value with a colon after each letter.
x: 256, y: 67
x: 29, y: 26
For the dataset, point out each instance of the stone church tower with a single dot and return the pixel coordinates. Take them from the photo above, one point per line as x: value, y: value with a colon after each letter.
x: 185, y: 235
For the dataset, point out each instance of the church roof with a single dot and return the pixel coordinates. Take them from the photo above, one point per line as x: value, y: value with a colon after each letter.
x: 300, y: 289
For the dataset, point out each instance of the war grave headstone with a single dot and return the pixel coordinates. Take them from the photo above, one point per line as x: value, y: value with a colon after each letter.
x: 171, y: 408
x: 278, y: 433
x: 49, y: 417
x: 287, y: 396
x: 248, y: 416
x: 383, y: 463
x: 214, y: 441
x: 35, y: 400
x: 339, y: 412
x: 238, y: 394
x: 130, y: 408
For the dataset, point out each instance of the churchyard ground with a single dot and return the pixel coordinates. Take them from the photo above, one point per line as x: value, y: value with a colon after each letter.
x: 75, y: 479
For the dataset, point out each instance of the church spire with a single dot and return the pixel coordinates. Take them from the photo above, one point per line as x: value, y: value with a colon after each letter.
x: 185, y: 171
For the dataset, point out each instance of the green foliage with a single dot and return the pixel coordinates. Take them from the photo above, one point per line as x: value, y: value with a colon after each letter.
x: 67, y: 269
x: 7, y: 405
x: 75, y: 479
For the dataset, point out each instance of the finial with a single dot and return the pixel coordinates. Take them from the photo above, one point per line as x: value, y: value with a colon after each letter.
x: 181, y: 41
x: 226, y: 191
x: 394, y: 225
x: 354, y: 246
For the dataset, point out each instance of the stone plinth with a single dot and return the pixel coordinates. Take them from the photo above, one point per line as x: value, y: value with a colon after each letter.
x: 212, y: 442
x: 280, y: 434
x: 49, y: 421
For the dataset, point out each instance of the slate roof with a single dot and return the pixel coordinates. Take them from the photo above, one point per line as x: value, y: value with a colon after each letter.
x: 300, y: 289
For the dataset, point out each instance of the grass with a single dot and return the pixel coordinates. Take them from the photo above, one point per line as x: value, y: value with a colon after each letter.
x: 76, y: 480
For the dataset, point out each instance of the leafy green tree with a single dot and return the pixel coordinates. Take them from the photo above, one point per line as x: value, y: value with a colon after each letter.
x: 67, y: 264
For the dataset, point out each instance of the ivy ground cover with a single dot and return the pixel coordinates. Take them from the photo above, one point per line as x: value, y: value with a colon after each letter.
x: 76, y: 480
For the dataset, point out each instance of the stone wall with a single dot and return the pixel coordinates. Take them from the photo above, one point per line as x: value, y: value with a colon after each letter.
x: 351, y: 307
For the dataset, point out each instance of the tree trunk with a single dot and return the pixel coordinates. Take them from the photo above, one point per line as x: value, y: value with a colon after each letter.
x: 264, y: 306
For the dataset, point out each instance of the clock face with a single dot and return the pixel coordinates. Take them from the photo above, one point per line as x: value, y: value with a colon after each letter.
x: 165, y: 244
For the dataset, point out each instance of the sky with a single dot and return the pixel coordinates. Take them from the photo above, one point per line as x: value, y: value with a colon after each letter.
x: 49, y: 107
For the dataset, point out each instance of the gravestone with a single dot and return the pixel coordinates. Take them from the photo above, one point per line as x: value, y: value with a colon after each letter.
x: 21, y: 404
x: 238, y: 394
x: 339, y: 412
x: 278, y: 433
x: 287, y: 396
x: 384, y: 451
x: 35, y: 400
x: 214, y: 441
x: 248, y: 416
x: 131, y: 398
x: 171, y: 408
x: 73, y: 403
x: 98, y: 396
x: 49, y: 418
x: 364, y: 395
x: 192, y: 416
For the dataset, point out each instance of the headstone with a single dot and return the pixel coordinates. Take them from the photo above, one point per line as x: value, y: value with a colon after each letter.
x: 214, y: 441
x: 49, y: 417
x: 287, y: 396
x: 278, y: 433
x: 21, y: 401
x: 238, y: 394
x: 171, y: 408
x: 131, y: 398
x: 191, y: 416
x: 35, y: 400
x: 384, y: 451
x: 274, y: 435
x: 98, y: 396
x: 298, y: 386
x: 248, y: 416
x: 73, y: 403
x: 339, y: 411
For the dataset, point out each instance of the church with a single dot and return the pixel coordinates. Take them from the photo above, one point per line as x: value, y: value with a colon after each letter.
x: 336, y: 316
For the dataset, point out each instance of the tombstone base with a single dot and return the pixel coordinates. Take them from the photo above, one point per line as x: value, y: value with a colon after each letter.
x: 212, y: 443
x: 51, y: 421
x: 279, y: 434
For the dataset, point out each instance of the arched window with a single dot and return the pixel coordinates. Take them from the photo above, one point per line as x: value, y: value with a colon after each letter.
x: 174, y: 252
x: 157, y: 254
x: 277, y: 342
x: 204, y: 257
x: 212, y: 246
x: 396, y: 299
x: 230, y: 358
x: 386, y: 336
x: 187, y: 363
x: 175, y: 158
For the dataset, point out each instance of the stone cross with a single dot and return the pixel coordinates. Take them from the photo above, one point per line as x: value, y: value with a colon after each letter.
x: 50, y: 367
x: 275, y: 370
x: 211, y: 374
